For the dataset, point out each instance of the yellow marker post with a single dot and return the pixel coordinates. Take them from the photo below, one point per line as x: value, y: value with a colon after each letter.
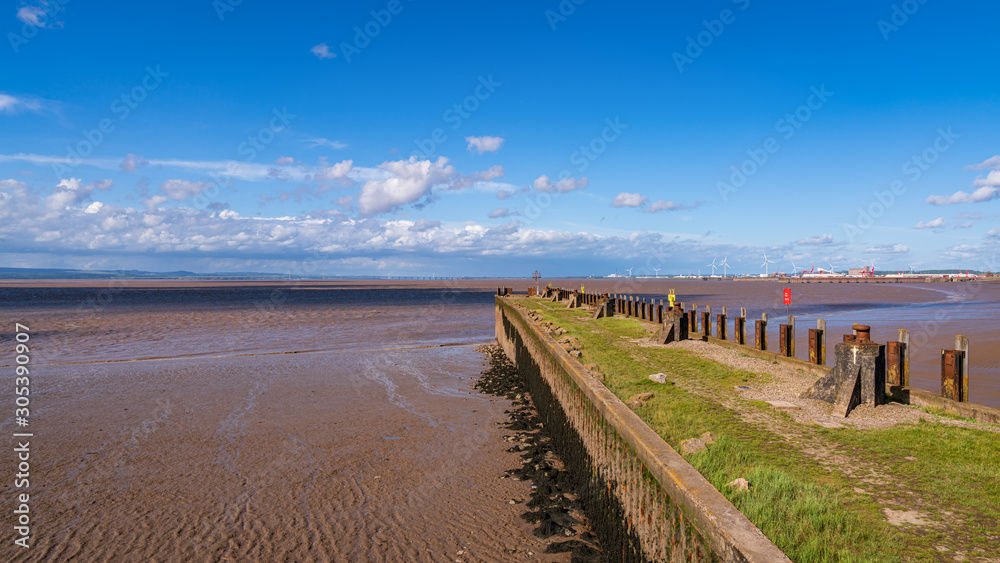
x: 671, y: 298
x: 582, y: 290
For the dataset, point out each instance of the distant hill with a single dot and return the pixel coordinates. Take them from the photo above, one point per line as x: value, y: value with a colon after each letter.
x: 70, y: 274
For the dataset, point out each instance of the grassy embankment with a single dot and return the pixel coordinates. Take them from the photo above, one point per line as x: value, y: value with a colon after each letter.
x: 812, y: 508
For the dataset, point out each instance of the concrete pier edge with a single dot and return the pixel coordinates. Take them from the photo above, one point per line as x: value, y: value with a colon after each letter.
x: 730, y: 535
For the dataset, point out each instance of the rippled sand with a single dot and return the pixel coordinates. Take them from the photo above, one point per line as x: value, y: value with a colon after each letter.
x: 205, y: 426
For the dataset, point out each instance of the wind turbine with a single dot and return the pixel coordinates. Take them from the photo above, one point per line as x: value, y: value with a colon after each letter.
x: 911, y: 268
x: 725, y: 266
x: 657, y: 271
x: 630, y: 271
x: 712, y: 265
x: 795, y: 269
x: 764, y: 265
x: 832, y: 269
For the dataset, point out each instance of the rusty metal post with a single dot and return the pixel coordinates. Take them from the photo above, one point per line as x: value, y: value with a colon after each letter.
x: 904, y: 337
x: 951, y: 374
x: 814, y: 344
x: 659, y: 313
x: 962, y: 343
x: 720, y: 325
x: 783, y: 347
x: 706, y: 323
x: 693, y: 321
x: 893, y: 363
x: 760, y: 338
x: 740, y: 330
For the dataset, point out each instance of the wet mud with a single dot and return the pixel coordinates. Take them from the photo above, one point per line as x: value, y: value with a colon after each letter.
x: 555, y: 508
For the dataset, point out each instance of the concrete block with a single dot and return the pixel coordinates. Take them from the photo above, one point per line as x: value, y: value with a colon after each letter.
x: 858, y: 376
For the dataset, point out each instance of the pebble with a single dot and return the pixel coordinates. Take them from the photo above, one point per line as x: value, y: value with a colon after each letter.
x: 739, y: 484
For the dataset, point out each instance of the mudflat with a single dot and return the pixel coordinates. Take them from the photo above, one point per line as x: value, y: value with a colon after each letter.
x: 262, y: 423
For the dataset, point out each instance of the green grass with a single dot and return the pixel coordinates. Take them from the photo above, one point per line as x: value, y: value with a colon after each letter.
x: 810, y: 512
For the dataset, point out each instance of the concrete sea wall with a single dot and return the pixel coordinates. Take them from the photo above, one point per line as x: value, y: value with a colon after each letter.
x: 646, y: 502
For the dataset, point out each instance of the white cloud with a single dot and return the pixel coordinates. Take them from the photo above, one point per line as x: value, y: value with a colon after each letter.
x: 544, y: 184
x: 322, y: 51
x: 321, y: 142
x: 424, y: 225
x: 182, y: 189
x: 13, y: 104
x: 408, y: 181
x: 283, y: 160
x: 335, y: 172
x: 992, y: 162
x: 72, y: 191
x: 989, y: 187
x: 888, y: 248
x: 934, y: 224
x: 816, y: 240
x: 978, y: 196
x: 94, y: 207
x: 481, y: 179
x: 626, y: 199
x: 991, y: 180
x: 155, y: 201
x: 133, y: 161
x: 661, y: 205
x: 484, y: 144
x: 499, y: 212
x: 31, y: 15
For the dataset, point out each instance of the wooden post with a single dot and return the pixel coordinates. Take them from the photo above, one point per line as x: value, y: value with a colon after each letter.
x: 962, y: 343
x: 791, y: 338
x: 904, y: 337
x: 893, y: 363
x: 821, y: 357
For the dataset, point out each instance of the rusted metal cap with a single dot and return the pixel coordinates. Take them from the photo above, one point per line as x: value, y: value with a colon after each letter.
x: 864, y: 332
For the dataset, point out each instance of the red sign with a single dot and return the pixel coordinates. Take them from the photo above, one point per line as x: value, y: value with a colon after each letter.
x: 788, y: 296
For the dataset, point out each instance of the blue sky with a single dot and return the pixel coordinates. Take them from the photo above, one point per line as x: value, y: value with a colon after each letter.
x: 496, y: 138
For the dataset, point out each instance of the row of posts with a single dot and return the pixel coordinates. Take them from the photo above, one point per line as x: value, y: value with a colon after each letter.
x: 954, y: 363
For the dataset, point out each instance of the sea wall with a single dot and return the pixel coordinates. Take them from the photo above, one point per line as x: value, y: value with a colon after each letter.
x: 645, y: 501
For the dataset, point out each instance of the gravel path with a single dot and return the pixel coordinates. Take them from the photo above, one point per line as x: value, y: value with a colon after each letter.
x: 787, y: 384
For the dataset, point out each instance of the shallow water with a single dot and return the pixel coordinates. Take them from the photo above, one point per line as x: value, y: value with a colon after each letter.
x: 263, y: 425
